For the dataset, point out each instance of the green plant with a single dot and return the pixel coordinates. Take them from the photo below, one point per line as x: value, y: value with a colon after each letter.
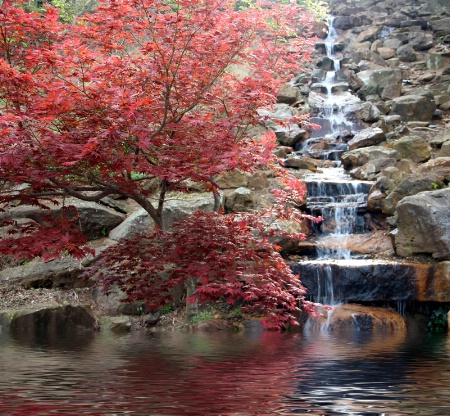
x: 434, y: 185
x: 203, y: 316
x: 166, y: 309
x: 438, y: 321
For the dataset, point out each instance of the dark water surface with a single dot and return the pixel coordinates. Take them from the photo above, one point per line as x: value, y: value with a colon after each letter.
x: 225, y: 374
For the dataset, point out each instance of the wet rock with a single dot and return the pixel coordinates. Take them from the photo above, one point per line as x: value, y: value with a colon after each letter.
x: 375, y: 242
x: 367, y: 137
x: 378, y: 192
x: 414, y: 107
x: 364, y: 318
x: 374, y: 280
x: 291, y: 134
x: 414, y: 148
x: 424, y: 225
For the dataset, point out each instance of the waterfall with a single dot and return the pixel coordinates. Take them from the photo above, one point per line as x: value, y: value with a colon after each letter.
x: 332, y: 194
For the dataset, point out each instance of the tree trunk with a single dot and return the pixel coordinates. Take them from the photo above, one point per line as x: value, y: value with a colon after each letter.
x: 191, y: 307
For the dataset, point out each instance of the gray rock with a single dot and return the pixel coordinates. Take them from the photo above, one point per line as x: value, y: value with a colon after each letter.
x: 406, y: 54
x: 414, y: 148
x: 288, y: 94
x: 441, y: 27
x: 116, y: 324
x: 359, y: 157
x: 424, y: 225
x: 414, y: 107
x: 420, y: 41
x: 240, y: 200
x: 411, y: 185
x: 367, y: 137
x: 95, y: 220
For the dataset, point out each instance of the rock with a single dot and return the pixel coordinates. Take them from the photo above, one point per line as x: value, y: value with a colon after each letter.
x: 386, y: 53
x: 386, y: 83
x: 420, y: 41
x: 116, y: 324
x: 375, y: 280
x: 58, y: 319
x: 62, y: 273
x: 364, y: 318
x: 240, y: 200
x: 369, y: 34
x: 301, y: 163
x: 434, y: 61
x: 441, y: 27
x: 368, y: 112
x: 439, y: 166
x: 176, y: 208
x: 359, y: 157
x: 291, y: 134
x: 283, y: 151
x: 392, y: 44
x: 406, y: 54
x: 288, y: 94
x: 445, y: 149
x: 414, y: 107
x: 367, y: 137
x: 414, y: 148
x: 411, y: 185
x: 95, y: 220
x: 424, y: 225
x: 258, y: 180
x: 233, y: 179
x: 138, y: 222
x: 378, y: 192
x: 375, y: 242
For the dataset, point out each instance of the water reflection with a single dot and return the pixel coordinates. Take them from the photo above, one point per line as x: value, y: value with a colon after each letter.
x: 226, y: 374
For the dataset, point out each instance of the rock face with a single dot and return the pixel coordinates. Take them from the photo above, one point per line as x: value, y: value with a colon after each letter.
x: 49, y: 318
x: 424, y: 225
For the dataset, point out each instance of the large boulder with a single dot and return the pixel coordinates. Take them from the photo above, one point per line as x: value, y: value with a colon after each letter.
x: 56, y: 319
x: 441, y: 27
x: 414, y: 107
x: 423, y: 225
x: 176, y: 208
x: 421, y: 41
x: 360, y: 157
x: 95, y: 220
x: 414, y: 148
x: 387, y: 83
x: 367, y: 137
x: 411, y: 185
x: 439, y: 166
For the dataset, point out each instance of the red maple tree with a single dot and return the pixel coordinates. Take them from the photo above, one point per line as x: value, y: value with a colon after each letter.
x: 137, y: 90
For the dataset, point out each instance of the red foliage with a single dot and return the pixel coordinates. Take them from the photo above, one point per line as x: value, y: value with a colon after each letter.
x: 229, y: 256
x: 166, y: 89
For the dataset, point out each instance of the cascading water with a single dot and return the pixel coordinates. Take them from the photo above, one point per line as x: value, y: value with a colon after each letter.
x: 332, y: 194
